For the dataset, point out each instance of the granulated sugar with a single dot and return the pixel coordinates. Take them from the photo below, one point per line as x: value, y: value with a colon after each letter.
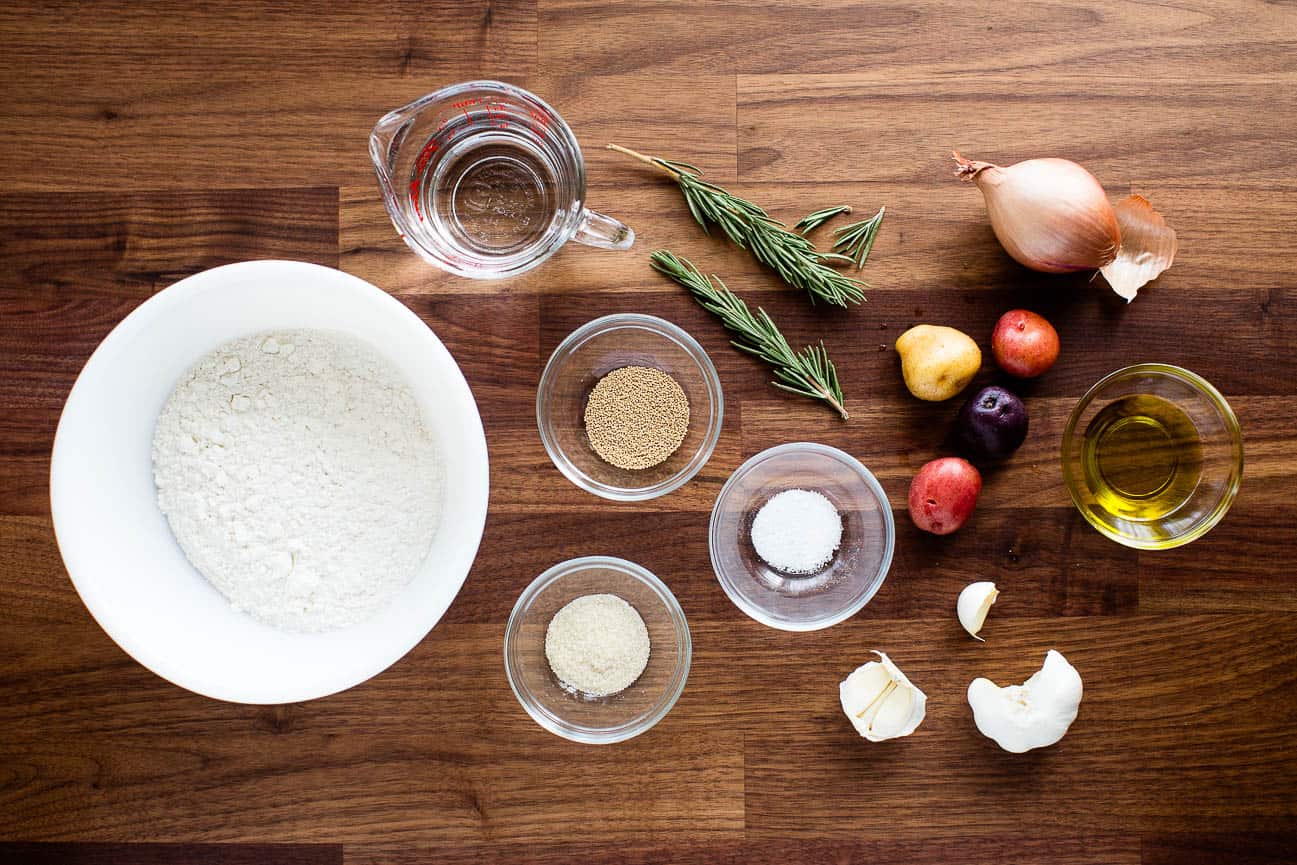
x: 597, y: 644
x: 797, y: 531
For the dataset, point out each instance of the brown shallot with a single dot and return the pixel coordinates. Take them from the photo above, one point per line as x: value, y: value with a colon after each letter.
x: 1052, y: 215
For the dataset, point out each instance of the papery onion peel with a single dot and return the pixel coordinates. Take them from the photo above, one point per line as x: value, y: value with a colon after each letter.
x: 1148, y: 246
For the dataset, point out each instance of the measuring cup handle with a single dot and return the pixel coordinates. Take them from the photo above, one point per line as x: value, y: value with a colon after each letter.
x: 603, y: 231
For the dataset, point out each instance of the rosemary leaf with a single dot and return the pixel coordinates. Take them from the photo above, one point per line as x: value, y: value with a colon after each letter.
x: 858, y: 237
x: 685, y: 166
x: 808, y: 372
x: 790, y: 255
x: 814, y: 220
x: 692, y: 202
x: 833, y: 256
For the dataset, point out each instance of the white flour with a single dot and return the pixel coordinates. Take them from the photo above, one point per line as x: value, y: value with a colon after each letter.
x: 297, y: 476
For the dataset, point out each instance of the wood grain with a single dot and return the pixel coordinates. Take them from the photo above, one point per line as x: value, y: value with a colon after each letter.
x: 140, y: 144
x: 171, y: 854
x: 1088, y: 849
x: 957, y: 40
x: 1131, y: 133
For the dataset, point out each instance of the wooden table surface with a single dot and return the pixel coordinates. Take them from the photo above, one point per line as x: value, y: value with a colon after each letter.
x: 140, y: 143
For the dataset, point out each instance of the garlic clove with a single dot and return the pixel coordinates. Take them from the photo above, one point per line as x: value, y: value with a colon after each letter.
x: 1034, y: 714
x: 881, y: 702
x: 973, y: 605
x: 1148, y: 247
x: 894, y: 713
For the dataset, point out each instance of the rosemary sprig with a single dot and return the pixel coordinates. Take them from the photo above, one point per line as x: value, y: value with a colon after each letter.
x: 808, y: 372
x: 814, y: 220
x: 858, y: 237
x: 787, y: 253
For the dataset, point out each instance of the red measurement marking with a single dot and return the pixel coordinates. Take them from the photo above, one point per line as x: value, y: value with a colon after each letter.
x: 502, y: 115
x: 414, y: 198
x: 420, y: 165
x: 425, y: 155
x: 497, y: 115
x: 465, y: 104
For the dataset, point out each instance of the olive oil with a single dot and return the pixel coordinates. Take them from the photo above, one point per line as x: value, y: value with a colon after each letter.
x: 1142, y: 458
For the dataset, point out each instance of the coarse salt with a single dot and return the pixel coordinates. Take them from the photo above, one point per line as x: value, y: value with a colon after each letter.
x: 797, y: 531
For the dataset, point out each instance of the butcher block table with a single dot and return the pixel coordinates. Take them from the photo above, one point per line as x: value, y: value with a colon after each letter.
x: 141, y: 143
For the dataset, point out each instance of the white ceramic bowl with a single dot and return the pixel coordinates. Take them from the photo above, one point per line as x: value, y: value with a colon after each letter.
x: 117, y: 545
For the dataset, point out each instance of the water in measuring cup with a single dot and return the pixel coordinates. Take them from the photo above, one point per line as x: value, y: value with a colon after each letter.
x: 492, y: 194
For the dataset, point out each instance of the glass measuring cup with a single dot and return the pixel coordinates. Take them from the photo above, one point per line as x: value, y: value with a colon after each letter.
x: 485, y: 180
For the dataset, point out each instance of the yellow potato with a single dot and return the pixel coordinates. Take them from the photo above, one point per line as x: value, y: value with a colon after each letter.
x: 937, y: 362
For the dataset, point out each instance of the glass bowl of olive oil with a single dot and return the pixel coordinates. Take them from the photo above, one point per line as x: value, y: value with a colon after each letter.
x: 1153, y: 456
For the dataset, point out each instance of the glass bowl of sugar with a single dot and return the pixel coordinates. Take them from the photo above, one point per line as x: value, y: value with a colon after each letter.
x: 629, y: 407
x: 801, y: 536
x: 597, y: 650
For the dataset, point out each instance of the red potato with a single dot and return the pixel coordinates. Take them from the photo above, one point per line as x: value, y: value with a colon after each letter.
x: 943, y: 493
x: 1024, y: 343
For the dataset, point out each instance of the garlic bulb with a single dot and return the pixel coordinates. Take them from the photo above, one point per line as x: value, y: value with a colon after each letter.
x: 881, y: 702
x: 973, y: 605
x: 1052, y: 215
x: 1034, y: 714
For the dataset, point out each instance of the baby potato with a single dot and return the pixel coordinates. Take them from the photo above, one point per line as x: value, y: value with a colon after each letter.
x: 943, y: 494
x: 1025, y: 345
x: 937, y: 362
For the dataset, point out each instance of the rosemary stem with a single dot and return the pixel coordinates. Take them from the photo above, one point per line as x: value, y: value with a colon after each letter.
x: 837, y: 406
x: 642, y: 158
x: 826, y: 395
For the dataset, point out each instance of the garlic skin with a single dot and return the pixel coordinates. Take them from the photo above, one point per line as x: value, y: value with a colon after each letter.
x: 1034, y: 714
x: 881, y: 702
x: 1049, y: 214
x: 973, y: 605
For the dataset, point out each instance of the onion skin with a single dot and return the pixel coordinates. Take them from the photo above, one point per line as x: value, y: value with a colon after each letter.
x: 1148, y: 247
x: 1049, y: 214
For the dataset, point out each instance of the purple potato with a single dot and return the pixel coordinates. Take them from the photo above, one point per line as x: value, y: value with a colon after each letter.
x: 991, y: 425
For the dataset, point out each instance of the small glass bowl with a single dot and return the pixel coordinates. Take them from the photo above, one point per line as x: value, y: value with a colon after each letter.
x: 803, y: 602
x: 579, y: 717
x: 1220, y: 471
x: 596, y: 349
